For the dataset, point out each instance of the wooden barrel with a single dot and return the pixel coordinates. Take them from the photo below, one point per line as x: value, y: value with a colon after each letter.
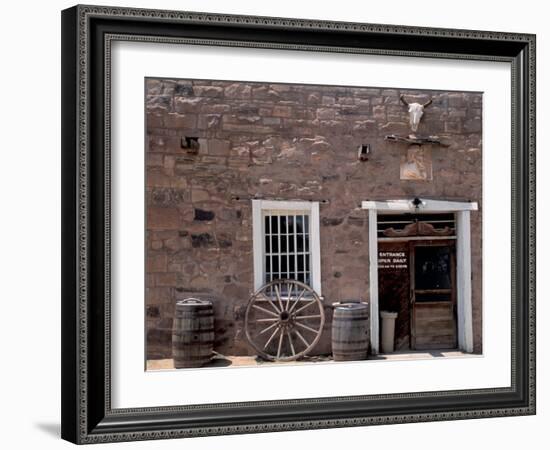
x: 350, y: 331
x: 192, y: 333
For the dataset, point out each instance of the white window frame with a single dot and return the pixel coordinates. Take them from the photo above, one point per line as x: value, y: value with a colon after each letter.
x: 258, y: 233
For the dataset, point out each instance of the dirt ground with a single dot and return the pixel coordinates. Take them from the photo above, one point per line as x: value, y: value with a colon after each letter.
x: 246, y: 361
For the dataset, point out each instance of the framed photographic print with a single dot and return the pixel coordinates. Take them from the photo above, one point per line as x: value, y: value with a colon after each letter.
x: 281, y: 224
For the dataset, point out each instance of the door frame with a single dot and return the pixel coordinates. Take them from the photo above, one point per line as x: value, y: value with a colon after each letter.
x: 463, y: 260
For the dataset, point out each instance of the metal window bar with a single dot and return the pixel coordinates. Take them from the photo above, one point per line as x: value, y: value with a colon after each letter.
x: 280, y: 230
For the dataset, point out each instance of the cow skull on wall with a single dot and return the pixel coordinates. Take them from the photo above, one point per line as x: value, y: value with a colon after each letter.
x: 416, y: 110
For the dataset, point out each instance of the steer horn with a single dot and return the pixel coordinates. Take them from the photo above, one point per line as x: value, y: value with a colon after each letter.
x: 428, y: 103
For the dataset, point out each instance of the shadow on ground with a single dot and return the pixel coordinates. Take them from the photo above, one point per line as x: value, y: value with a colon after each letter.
x: 53, y: 429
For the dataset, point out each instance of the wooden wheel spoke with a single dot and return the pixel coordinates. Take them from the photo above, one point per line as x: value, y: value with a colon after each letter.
x: 306, y: 343
x: 269, y: 319
x: 290, y: 288
x: 306, y: 306
x: 259, y: 308
x: 291, y: 344
x: 280, y: 344
x: 265, y: 330
x: 278, y: 294
x: 271, y: 338
x: 305, y: 327
x: 297, y: 300
x: 273, y: 305
x: 315, y: 316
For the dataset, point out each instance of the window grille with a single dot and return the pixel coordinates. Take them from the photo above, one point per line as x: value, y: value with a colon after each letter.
x: 287, y: 246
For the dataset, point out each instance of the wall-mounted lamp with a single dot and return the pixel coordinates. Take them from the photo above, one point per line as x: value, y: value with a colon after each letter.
x: 417, y: 203
x: 191, y: 144
x: 363, y: 152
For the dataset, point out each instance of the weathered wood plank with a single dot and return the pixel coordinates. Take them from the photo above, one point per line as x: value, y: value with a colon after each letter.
x: 435, y: 328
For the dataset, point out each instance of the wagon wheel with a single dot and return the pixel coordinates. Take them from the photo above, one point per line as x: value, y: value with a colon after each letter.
x: 284, y: 320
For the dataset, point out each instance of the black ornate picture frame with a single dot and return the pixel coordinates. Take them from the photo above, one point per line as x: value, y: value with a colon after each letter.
x: 87, y: 35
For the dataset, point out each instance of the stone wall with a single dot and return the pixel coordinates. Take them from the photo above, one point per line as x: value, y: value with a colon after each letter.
x: 281, y: 141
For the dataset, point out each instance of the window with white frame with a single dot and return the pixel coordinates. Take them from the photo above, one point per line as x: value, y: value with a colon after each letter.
x: 286, y: 246
x: 286, y: 242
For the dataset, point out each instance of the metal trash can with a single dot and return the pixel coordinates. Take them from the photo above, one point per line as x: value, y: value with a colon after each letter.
x: 388, y: 331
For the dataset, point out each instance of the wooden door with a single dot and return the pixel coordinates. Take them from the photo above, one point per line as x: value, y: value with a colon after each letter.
x: 433, y: 295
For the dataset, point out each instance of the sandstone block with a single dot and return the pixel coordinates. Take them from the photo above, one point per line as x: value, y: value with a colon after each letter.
x: 326, y: 113
x: 331, y: 221
x: 158, y: 295
x: 368, y: 126
x: 202, y: 240
x: 153, y: 87
x: 167, y: 87
x: 209, y: 121
x: 166, y: 279
x: 218, y: 147
x: 152, y: 312
x: 282, y: 111
x: 185, y: 105
x: 394, y: 128
x: 276, y: 121
x: 162, y: 218
x: 175, y: 120
x: 247, y: 128
x: 208, y: 91
x: 453, y: 127
x: 313, y: 98
x: 159, y: 102
x: 154, y: 119
x: 238, y: 90
x: 199, y: 195
x: 168, y: 196
x: 265, y: 93
x: 473, y: 125
x: 183, y: 88
x: 155, y: 160
x: 456, y: 101
x: 379, y: 112
x: 217, y: 108
x: 157, y: 263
